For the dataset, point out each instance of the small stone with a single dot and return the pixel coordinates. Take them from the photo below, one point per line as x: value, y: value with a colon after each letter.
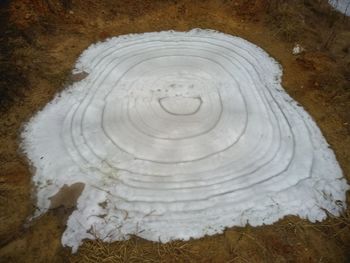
x: 297, y: 49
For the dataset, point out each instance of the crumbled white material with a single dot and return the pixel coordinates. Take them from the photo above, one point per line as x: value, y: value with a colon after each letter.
x: 342, y: 6
x: 297, y: 49
x: 177, y: 135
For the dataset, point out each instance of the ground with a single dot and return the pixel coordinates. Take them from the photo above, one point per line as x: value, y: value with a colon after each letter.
x: 40, y: 42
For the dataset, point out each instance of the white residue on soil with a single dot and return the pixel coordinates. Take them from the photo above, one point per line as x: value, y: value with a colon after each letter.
x: 177, y: 135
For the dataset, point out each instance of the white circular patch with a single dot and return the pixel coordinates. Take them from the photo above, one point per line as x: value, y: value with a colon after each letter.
x: 178, y: 135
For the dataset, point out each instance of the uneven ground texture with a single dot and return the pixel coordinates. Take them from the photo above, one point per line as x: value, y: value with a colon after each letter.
x: 40, y: 42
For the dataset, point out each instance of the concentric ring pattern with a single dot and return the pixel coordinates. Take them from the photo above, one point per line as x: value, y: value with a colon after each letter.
x: 177, y: 135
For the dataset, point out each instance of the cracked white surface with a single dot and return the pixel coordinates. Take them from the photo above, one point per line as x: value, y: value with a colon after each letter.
x: 179, y: 135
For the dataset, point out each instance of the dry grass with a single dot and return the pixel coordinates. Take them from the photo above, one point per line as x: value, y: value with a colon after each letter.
x: 296, y: 20
x: 288, y: 21
x: 260, y: 240
x: 134, y: 250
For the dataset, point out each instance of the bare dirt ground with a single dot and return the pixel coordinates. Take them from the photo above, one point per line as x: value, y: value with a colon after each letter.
x: 40, y: 42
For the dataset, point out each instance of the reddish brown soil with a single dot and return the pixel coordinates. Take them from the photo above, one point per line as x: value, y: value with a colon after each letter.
x: 41, y: 40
